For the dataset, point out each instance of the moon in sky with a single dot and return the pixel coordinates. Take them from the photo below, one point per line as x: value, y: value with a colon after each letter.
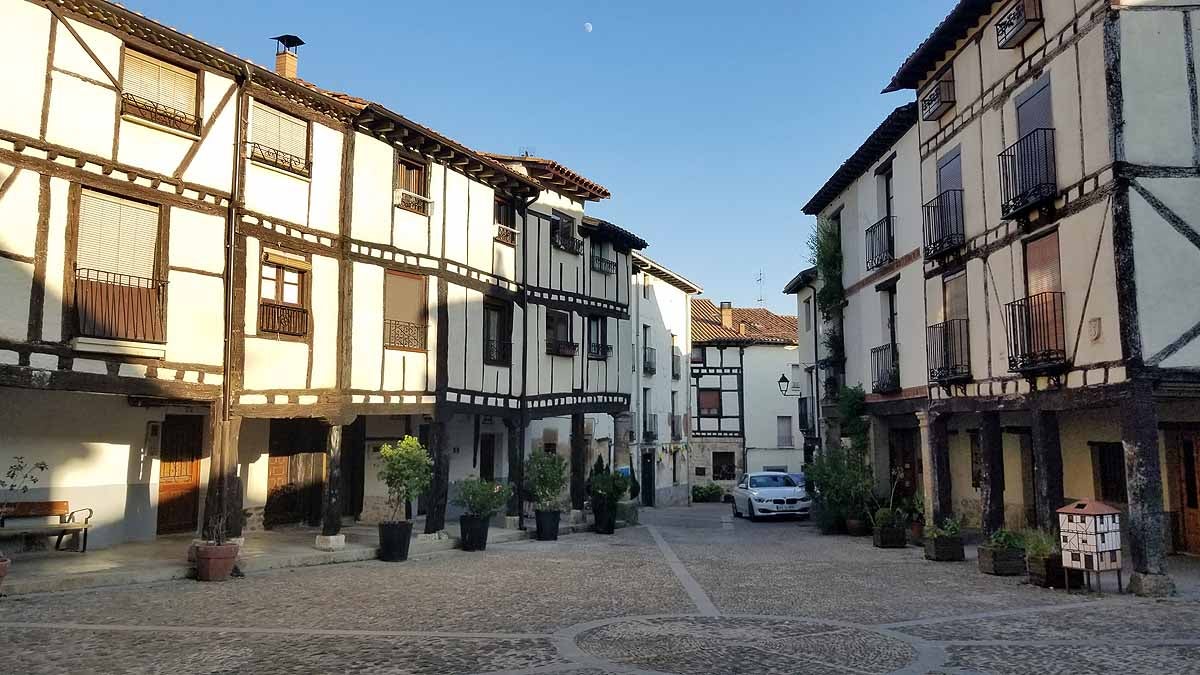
x: 587, y: 27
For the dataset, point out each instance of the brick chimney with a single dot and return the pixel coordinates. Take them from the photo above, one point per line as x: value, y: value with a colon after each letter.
x: 727, y: 315
x: 285, y: 64
x: 741, y: 328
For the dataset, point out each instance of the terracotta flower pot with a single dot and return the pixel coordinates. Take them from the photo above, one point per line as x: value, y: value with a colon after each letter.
x: 214, y: 562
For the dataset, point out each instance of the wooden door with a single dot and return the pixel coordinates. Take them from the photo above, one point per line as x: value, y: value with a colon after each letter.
x: 179, y: 473
x: 904, y: 459
x: 1189, y: 484
x: 487, y: 457
x: 295, y: 471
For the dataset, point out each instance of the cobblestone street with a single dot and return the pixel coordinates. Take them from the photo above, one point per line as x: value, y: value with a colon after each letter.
x: 689, y: 591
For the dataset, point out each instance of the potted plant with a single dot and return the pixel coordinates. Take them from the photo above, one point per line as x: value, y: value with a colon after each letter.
x: 216, y: 555
x: 480, y: 500
x: 856, y: 521
x: 916, y: 519
x: 606, y: 488
x: 15, y: 481
x: 1043, y: 561
x: 1003, y: 554
x: 406, y: 470
x: 547, y: 478
x: 944, y: 543
x: 889, y: 529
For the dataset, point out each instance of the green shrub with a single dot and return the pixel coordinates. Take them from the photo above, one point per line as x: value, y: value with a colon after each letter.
x: 707, y: 492
x: 547, y: 473
x: 607, y: 484
x: 406, y: 471
x: 950, y: 527
x: 1039, y: 543
x: 888, y: 518
x: 1006, y: 539
x: 482, y: 498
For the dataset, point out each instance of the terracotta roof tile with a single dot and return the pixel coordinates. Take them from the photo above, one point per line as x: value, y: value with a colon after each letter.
x: 762, y: 326
x: 593, y: 189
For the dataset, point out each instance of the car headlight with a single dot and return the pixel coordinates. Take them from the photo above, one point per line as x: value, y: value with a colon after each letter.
x: 760, y: 500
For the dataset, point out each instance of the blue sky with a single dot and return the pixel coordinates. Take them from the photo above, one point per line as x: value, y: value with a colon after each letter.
x: 711, y: 122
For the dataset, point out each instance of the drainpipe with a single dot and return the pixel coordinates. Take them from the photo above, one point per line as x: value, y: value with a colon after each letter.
x: 230, y: 239
x: 524, y: 351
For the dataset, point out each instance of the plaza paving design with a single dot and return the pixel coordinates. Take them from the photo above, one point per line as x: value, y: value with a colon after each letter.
x: 690, y: 591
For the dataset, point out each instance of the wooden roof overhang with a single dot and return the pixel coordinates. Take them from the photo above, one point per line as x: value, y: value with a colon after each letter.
x: 957, y: 25
x: 602, y: 229
x: 644, y: 264
x: 398, y: 130
x: 555, y: 176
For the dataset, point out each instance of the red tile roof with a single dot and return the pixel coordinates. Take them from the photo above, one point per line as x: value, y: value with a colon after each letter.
x: 553, y: 176
x: 762, y: 326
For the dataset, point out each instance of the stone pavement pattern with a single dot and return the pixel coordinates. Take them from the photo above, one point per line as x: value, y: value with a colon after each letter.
x: 691, y: 592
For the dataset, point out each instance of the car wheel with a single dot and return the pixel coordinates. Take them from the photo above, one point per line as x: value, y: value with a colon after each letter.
x: 736, y: 513
x: 750, y: 511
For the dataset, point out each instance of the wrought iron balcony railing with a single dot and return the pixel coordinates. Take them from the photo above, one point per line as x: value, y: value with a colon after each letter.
x: 885, y: 369
x: 506, y: 235
x: 158, y: 113
x: 650, y: 427
x: 411, y: 201
x: 565, y: 241
x: 949, y: 351
x: 881, y: 243
x: 283, y: 319
x: 649, y: 360
x: 555, y: 347
x: 120, y: 307
x: 603, y: 265
x: 938, y: 100
x: 280, y: 159
x: 1017, y: 22
x: 1036, y: 333
x: 599, y: 352
x: 404, y: 335
x: 945, y: 229
x: 1028, y: 174
x: 497, y: 352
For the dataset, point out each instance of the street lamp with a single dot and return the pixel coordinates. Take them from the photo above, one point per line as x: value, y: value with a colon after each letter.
x: 784, y: 387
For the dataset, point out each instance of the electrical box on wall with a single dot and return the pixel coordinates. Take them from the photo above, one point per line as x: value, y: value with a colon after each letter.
x: 153, y: 443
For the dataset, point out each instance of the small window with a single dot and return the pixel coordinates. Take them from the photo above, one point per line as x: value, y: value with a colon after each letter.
x: 598, y: 347
x: 282, y: 304
x: 404, y: 311
x: 562, y: 234
x: 117, y: 236
x: 1108, y: 460
x: 497, y: 333
x: 708, y: 402
x: 162, y: 93
x: 410, y: 176
x: 808, y: 315
x: 783, y: 433
x: 558, y: 326
x: 506, y: 222
x: 278, y: 139
x: 701, y: 470
x: 698, y: 355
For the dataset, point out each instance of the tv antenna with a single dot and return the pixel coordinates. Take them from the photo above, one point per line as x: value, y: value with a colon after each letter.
x: 760, y: 281
x: 528, y: 151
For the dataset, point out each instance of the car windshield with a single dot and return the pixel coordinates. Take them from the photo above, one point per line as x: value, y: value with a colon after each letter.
x: 771, y: 481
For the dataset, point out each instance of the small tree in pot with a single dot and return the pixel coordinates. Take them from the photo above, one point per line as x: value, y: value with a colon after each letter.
x: 889, y: 529
x: 1003, y: 554
x: 406, y: 471
x: 16, y: 481
x: 606, y: 489
x: 480, y: 499
x: 216, y: 556
x: 547, y: 478
x: 943, y: 543
x: 1044, y: 561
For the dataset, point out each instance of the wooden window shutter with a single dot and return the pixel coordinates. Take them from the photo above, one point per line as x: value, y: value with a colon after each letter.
x: 281, y: 132
x: 404, y: 298
x: 160, y: 82
x: 1041, y: 265
x: 117, y: 235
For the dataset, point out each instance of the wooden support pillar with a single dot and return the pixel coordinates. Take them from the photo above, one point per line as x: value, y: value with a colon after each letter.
x: 1143, y: 477
x: 578, y: 461
x: 935, y: 465
x: 439, y: 486
x: 516, y: 464
x: 1047, y: 468
x: 880, y: 453
x: 991, y: 445
x: 331, y: 509
x: 222, y: 502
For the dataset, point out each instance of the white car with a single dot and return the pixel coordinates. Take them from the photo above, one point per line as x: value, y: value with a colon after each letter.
x: 770, y: 493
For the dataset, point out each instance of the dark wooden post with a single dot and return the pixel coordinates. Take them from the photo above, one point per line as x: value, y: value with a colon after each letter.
x: 578, y: 461
x: 935, y: 452
x: 439, y: 486
x: 1047, y: 468
x: 222, y: 497
x: 516, y: 464
x: 331, y: 511
x: 991, y: 445
x: 1147, y: 532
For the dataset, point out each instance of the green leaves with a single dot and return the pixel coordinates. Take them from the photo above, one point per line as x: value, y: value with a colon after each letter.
x: 406, y: 471
x: 482, y: 498
x: 547, y: 477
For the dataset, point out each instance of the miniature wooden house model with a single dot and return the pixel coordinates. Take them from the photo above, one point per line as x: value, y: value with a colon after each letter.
x: 1090, y: 536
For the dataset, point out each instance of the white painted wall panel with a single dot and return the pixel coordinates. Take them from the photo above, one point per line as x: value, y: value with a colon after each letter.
x: 371, y: 217
x: 1167, y: 276
x: 367, y: 335
x: 1155, y: 82
x: 24, y: 42
x: 456, y: 297
x: 152, y: 149
x: 437, y: 184
x: 213, y: 163
x: 473, y: 332
x: 326, y: 317
x: 19, y: 211
x: 197, y: 240
x: 326, y: 188
x: 416, y: 366
x: 195, y: 318
x: 273, y: 192
x: 275, y: 364
x: 393, y: 369
x: 56, y: 242
x: 76, y: 117
x: 456, y: 216
x: 250, y: 325
x: 411, y: 231
x: 16, y: 278
x: 71, y: 57
x: 481, y: 227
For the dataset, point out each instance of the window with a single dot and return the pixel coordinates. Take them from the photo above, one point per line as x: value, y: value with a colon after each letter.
x: 1108, y: 469
x: 954, y: 291
x: 497, y: 333
x: 783, y: 432
x: 412, y: 187
x: 278, y: 139
x: 1042, y: 273
x: 772, y: 481
x: 506, y: 222
x: 157, y: 91
x: 282, y: 294
x: 808, y: 315
x: 117, y: 294
x: 562, y: 233
x: 724, y: 466
x: 597, y: 331
x: 558, y: 334
x: 708, y: 402
x: 698, y: 355
x: 404, y: 311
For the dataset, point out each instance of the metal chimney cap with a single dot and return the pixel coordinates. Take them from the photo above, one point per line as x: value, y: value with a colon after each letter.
x: 288, y: 41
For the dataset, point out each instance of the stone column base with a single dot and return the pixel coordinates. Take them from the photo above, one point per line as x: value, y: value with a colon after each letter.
x: 336, y: 542
x: 1151, y: 585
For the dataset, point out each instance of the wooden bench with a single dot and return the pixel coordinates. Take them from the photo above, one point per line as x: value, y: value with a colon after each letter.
x: 67, y: 522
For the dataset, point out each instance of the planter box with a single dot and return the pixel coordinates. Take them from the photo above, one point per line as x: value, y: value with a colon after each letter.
x: 1001, y: 562
x: 890, y: 537
x: 1048, y: 572
x: 944, y: 549
x: 857, y: 528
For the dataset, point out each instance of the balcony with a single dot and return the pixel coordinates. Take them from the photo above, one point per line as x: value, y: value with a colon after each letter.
x: 497, y: 352
x: 881, y: 248
x: 885, y: 369
x: 649, y: 427
x: 120, y: 307
x: 1028, y: 174
x: 1017, y: 22
x: 1036, y: 336
x: 282, y: 319
x: 565, y: 241
x: 404, y: 335
x: 945, y: 229
x: 506, y: 235
x: 676, y: 427
x: 676, y: 365
x: 166, y: 116
x: 556, y: 347
x: 938, y: 100
x: 603, y: 265
x: 599, y: 352
x: 280, y: 159
x: 649, y: 360
x: 411, y: 201
x: 949, y: 351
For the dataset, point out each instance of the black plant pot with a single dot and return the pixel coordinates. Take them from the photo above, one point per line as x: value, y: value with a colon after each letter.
x: 394, y: 539
x: 547, y: 525
x: 944, y: 549
x: 890, y: 537
x: 605, y: 514
x: 473, y: 531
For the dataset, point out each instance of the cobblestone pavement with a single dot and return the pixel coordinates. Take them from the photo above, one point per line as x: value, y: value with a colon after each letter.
x: 692, y: 591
